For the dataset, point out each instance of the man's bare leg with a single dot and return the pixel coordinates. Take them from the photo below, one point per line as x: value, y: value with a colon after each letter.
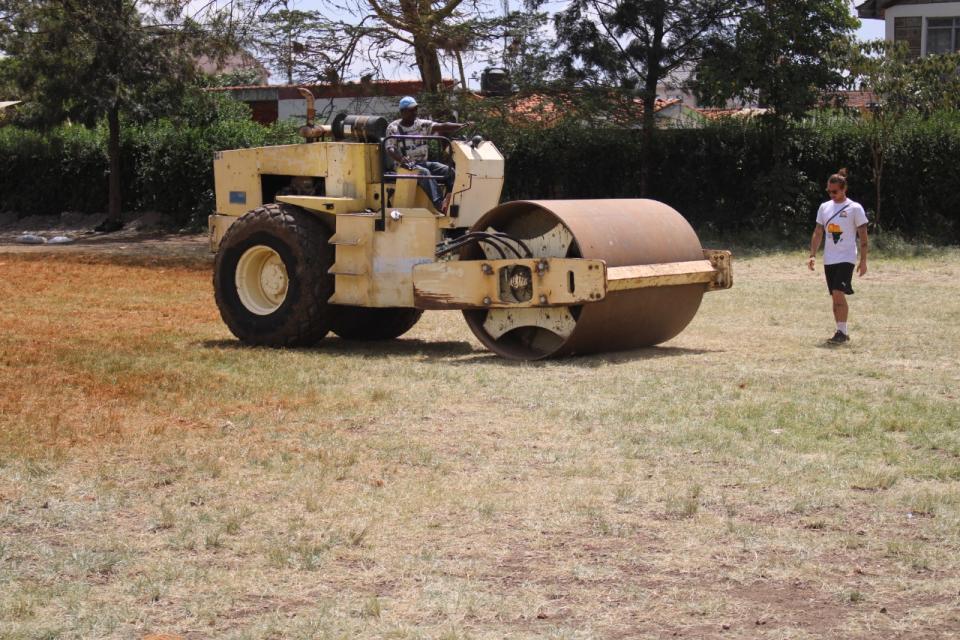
x: 840, y: 311
x: 840, y: 307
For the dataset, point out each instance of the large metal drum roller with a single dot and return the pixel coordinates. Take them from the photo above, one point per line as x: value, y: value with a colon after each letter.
x: 625, y: 234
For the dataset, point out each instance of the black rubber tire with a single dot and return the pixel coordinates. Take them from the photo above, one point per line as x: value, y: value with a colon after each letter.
x: 369, y: 323
x: 300, y: 238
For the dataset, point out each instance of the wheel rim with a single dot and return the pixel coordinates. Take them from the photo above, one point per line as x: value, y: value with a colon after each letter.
x: 262, y: 280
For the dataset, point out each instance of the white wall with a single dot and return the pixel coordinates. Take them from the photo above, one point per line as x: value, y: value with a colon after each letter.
x: 327, y: 108
x: 934, y: 10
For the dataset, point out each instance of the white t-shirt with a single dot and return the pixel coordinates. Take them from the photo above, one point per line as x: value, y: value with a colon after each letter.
x: 840, y: 222
x: 416, y: 150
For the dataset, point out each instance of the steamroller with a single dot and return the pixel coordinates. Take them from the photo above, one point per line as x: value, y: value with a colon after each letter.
x: 324, y: 236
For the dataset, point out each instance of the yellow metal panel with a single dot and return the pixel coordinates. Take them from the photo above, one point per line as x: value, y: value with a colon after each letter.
x: 348, y: 168
x: 659, y: 275
x: 477, y: 284
x: 405, y: 191
x: 237, y: 173
x: 558, y: 320
x: 484, y: 161
x: 352, y: 264
x: 716, y: 271
x: 478, y: 184
x: 218, y: 226
x: 347, y: 175
x: 325, y: 204
x: 405, y: 243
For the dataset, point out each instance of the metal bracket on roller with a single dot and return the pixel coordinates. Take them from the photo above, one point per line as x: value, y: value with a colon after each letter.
x: 486, y: 284
x: 557, y: 320
x: 722, y: 262
x: 715, y: 271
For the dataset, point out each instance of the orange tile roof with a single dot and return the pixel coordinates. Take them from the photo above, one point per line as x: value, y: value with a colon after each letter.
x: 547, y: 109
x: 856, y: 99
x: 743, y: 112
x: 345, y: 90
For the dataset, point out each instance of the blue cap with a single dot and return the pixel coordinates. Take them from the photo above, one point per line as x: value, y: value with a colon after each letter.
x: 406, y: 102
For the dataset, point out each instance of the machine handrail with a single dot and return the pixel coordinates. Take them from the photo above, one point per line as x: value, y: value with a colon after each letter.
x: 381, y: 224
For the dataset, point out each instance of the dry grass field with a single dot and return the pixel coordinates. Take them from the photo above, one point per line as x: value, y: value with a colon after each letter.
x: 741, y: 481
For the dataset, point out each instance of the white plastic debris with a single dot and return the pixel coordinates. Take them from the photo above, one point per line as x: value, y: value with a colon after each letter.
x: 30, y: 238
x: 60, y: 240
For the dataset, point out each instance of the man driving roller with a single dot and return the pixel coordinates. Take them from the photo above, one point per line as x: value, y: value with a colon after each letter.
x: 413, y: 154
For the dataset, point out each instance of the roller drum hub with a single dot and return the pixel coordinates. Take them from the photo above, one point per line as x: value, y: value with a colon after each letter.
x: 620, y: 232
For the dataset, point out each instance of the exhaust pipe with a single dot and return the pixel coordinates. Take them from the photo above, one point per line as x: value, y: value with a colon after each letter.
x: 309, y: 131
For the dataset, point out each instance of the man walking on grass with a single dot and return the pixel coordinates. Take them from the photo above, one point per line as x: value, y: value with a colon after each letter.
x: 845, y: 222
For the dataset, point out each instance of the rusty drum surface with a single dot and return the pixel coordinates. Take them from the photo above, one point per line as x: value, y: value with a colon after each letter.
x: 620, y: 232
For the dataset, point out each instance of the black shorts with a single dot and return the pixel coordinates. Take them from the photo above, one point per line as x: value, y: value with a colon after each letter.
x: 839, y: 277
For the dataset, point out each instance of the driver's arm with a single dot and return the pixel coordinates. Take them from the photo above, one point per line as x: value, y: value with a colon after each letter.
x: 443, y: 128
x: 395, y: 154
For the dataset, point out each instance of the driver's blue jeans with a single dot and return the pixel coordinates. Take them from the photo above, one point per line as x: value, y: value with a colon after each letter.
x: 429, y: 185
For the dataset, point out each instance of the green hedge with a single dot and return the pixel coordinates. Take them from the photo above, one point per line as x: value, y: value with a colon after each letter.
x: 728, y: 177
x: 63, y: 170
x: 166, y: 165
x: 739, y: 176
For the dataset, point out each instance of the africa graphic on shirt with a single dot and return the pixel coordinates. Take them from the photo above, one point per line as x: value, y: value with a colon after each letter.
x: 835, y: 230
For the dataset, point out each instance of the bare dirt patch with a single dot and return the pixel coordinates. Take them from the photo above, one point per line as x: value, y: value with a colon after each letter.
x: 146, y: 240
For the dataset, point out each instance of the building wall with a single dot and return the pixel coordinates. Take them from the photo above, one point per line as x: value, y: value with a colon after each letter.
x: 922, y: 10
x: 284, y: 102
x: 326, y: 108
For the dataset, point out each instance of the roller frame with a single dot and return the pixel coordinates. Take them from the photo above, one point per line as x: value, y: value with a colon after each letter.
x: 475, y: 284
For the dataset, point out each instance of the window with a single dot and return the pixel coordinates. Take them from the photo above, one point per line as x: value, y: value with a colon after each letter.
x: 943, y: 35
x: 908, y: 30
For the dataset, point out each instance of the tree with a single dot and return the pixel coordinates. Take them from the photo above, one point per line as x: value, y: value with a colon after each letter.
x: 87, y: 60
x: 389, y: 30
x: 634, y: 44
x: 785, y: 55
x: 288, y: 40
x: 903, y: 87
x: 528, y: 54
x: 8, y: 88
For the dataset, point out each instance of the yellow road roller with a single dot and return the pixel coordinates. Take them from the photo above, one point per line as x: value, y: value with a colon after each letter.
x: 322, y: 236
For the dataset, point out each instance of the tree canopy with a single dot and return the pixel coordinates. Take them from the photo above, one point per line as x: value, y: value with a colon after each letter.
x: 635, y: 44
x: 784, y: 55
x: 87, y: 60
x: 292, y: 44
x: 389, y: 31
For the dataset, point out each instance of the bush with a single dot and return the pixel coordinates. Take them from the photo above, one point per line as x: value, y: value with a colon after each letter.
x: 63, y: 170
x: 167, y: 164
x: 730, y: 177
x: 747, y: 176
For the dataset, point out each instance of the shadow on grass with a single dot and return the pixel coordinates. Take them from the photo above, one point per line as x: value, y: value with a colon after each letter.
x: 454, y: 352
x: 365, y: 349
x: 591, y: 361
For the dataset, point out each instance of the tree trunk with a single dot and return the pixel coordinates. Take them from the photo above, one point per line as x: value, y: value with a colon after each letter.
x: 428, y: 62
x: 113, y: 150
x: 463, y: 76
x: 646, y: 148
x: 654, y: 59
x: 877, y: 180
x: 649, y: 131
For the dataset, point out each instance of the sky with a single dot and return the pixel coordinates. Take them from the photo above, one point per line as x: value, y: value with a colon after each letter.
x: 869, y: 30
